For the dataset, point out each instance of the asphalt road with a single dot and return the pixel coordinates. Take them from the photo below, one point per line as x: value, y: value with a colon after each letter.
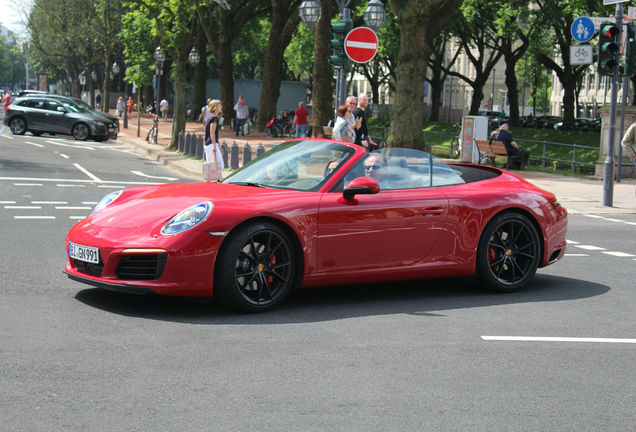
x: 414, y: 355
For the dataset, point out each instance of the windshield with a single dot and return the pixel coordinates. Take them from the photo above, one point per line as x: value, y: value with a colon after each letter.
x: 72, y: 106
x: 82, y: 104
x: 297, y: 165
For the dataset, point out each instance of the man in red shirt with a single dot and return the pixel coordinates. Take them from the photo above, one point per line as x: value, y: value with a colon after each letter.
x: 300, y: 120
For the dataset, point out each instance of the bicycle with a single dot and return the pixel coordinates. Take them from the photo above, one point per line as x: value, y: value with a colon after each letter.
x: 153, y: 133
x: 453, y: 150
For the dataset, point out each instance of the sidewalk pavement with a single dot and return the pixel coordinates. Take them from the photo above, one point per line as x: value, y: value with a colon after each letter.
x: 576, y: 194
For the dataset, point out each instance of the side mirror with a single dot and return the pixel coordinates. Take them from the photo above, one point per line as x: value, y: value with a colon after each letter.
x: 361, y: 185
x: 61, y: 109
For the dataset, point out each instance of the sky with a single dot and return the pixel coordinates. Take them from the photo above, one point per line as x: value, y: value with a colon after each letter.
x: 12, y: 13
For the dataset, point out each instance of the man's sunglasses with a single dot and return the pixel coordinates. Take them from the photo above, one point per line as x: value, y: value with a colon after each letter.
x: 375, y: 167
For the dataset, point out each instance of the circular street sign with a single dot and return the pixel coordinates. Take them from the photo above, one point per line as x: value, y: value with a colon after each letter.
x: 361, y: 44
x: 582, y: 29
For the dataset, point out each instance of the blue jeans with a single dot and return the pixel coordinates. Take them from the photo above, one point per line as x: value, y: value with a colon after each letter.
x: 239, y: 126
x: 301, y: 130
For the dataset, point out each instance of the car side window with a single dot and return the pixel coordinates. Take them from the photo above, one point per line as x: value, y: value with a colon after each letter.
x: 52, y: 105
x: 34, y: 103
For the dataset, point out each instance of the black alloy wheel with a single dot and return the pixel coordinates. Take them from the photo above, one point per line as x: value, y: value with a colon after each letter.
x: 509, y: 253
x: 81, y: 132
x: 255, y: 269
x: 18, y: 126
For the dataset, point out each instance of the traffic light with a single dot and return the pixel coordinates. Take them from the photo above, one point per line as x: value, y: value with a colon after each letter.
x: 339, y: 31
x: 630, y: 50
x: 608, y: 46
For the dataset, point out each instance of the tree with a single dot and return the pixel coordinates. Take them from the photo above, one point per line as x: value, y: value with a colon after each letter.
x: 553, y: 20
x: 284, y: 21
x: 105, y: 32
x: 419, y: 22
x: 322, y: 93
x: 477, y: 31
x: 438, y: 70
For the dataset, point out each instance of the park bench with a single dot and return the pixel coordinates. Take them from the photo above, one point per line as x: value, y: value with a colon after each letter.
x: 491, y: 149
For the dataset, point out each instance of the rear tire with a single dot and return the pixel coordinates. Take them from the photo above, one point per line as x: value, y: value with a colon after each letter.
x: 256, y: 268
x: 509, y: 253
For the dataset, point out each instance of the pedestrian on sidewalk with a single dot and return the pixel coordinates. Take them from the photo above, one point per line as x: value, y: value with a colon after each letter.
x: 120, y: 107
x: 204, y: 112
x: 629, y: 143
x: 211, y: 145
x: 242, y: 113
x: 164, y: 106
x: 6, y: 99
x: 300, y: 120
x: 130, y: 104
x: 362, y: 137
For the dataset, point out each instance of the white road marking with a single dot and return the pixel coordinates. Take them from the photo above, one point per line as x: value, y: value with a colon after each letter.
x: 71, y: 208
x: 70, y: 185
x: 35, y: 144
x: 631, y: 223
x: 111, y: 186
x: 89, y: 202
x: 69, y: 145
x: 7, y: 202
x: 49, y: 202
x: 28, y: 184
x: 572, y: 242
x: 590, y: 247
x: 77, y: 217
x: 6, y: 136
x: 619, y: 254
x: 576, y: 255
x: 593, y: 216
x: 557, y: 339
x: 18, y: 207
x: 614, y: 220
x: 64, y: 156
x: 75, y: 181
x: 33, y: 217
x: 87, y: 172
x: 139, y: 173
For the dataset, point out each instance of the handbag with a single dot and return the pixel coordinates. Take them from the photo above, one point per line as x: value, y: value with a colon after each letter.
x: 212, y: 170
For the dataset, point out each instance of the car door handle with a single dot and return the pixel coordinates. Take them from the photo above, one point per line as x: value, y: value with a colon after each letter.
x: 433, y: 211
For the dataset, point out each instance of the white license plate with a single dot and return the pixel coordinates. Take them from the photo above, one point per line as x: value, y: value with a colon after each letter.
x: 83, y: 253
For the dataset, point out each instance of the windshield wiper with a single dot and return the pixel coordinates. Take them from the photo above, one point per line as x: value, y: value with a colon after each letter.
x: 254, y: 184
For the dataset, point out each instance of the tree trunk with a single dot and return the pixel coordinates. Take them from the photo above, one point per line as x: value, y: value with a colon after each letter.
x: 322, y: 73
x: 284, y: 22
x: 106, y: 95
x: 513, y: 92
x: 419, y: 21
x: 436, y: 97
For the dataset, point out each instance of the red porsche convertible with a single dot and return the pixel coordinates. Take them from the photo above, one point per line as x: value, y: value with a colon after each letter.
x: 319, y: 212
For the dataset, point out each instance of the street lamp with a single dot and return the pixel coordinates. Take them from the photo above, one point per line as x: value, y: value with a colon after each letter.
x: 374, y: 15
x: 310, y: 12
x: 194, y: 57
x: 115, y: 68
x: 160, y: 57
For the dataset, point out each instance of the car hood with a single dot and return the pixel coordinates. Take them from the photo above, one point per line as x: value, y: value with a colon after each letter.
x: 143, y: 205
x: 105, y: 115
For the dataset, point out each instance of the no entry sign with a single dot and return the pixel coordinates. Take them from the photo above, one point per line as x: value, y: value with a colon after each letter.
x: 361, y: 44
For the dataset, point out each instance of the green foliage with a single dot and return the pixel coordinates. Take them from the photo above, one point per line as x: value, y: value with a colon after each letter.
x: 249, y: 49
x: 299, y: 55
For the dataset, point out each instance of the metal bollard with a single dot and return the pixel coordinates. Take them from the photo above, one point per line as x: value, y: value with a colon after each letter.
x: 225, y: 152
x: 234, y: 156
x: 188, y: 144
x: 200, y: 150
x: 181, y: 145
x: 247, y: 154
x: 260, y: 150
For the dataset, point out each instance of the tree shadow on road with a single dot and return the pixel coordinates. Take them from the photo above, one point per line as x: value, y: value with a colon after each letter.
x: 426, y: 298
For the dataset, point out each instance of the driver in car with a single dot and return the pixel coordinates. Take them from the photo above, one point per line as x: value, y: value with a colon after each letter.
x: 375, y: 168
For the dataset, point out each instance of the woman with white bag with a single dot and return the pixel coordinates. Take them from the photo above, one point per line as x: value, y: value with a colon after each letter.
x: 213, y: 165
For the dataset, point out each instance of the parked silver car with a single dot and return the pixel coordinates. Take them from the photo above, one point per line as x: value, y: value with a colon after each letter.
x: 42, y: 114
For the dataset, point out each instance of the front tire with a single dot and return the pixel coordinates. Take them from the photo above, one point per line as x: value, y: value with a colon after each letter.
x: 18, y: 126
x: 256, y: 268
x: 509, y: 253
x: 81, y: 132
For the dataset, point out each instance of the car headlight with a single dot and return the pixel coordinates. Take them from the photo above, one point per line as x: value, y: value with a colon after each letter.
x: 106, y: 201
x: 188, y: 218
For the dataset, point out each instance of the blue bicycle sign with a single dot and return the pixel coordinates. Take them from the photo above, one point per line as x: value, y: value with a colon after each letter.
x: 582, y: 29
